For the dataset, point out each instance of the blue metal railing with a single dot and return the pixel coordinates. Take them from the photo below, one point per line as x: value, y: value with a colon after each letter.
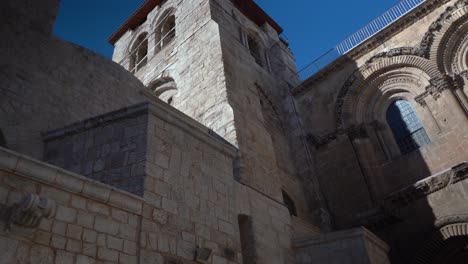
x: 381, y: 22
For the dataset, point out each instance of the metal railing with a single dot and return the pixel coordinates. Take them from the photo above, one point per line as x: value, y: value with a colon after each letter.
x: 378, y: 24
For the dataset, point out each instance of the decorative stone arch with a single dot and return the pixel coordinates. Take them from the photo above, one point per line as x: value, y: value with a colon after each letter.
x: 164, y: 28
x: 138, y: 51
x: 143, y: 29
x: 432, y: 252
x: 367, y: 79
x: 450, y: 42
x: 165, y: 88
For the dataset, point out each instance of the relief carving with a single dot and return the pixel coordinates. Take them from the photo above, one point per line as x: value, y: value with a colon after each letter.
x: 427, y: 186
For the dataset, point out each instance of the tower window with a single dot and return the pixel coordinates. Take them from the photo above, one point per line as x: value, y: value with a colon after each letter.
x: 139, y: 54
x: 165, y: 32
x: 407, y: 129
x: 252, y: 43
x: 254, y: 48
x: 289, y: 204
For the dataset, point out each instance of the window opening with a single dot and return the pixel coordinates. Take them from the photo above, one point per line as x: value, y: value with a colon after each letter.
x: 407, y: 129
x: 289, y: 204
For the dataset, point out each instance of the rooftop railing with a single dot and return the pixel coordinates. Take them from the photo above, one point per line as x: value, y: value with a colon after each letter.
x: 378, y: 24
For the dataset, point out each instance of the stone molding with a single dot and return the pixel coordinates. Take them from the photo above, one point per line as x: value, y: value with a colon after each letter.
x: 354, y: 132
x: 372, y: 70
x: 427, y: 186
x: 375, y: 41
x: 189, y: 125
x: 38, y: 171
x: 438, y: 85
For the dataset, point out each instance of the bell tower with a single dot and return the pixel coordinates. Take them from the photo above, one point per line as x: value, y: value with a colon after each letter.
x: 225, y: 64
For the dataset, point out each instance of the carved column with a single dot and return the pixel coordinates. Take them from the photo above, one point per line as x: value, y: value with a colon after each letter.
x: 460, y: 80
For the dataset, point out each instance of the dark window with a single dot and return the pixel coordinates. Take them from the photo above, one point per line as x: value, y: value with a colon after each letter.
x: 2, y: 140
x: 247, y: 239
x: 289, y: 204
x: 255, y: 50
x: 406, y: 127
x: 139, y: 56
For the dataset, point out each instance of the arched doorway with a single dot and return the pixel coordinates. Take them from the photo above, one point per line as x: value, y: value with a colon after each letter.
x: 449, y: 245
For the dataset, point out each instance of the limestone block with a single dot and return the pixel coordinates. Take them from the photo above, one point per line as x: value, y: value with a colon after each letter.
x: 89, y: 236
x: 96, y: 190
x: 128, y: 259
x: 114, y: 243
x: 105, y: 225
x: 41, y: 255
x: 160, y: 216
x: 108, y: 254
x: 74, y: 246
x: 89, y: 249
x: 63, y: 257
x: 151, y: 257
x: 169, y: 205
x: 59, y: 228
x: 74, y: 231
x: 81, y: 259
x: 85, y: 220
x: 130, y: 247
x: 186, y: 249
x: 66, y: 214
x: 58, y: 242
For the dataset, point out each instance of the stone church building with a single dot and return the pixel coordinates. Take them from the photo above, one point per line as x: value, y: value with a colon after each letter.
x: 200, y: 143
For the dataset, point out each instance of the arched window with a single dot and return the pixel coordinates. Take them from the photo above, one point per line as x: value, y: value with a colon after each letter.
x: 139, y: 53
x: 165, y: 32
x: 165, y: 88
x: 289, y: 204
x: 407, y: 129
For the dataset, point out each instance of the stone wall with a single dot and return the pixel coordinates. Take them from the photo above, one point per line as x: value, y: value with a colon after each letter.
x: 110, y: 148
x: 48, y: 83
x: 350, y: 97
x: 190, y: 197
x: 219, y: 84
x: 93, y: 222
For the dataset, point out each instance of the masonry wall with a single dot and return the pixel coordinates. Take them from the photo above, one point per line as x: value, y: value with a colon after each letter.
x: 219, y: 85
x: 48, y: 83
x: 375, y: 166
x: 110, y: 149
x: 93, y: 222
x: 193, y: 59
x: 256, y: 92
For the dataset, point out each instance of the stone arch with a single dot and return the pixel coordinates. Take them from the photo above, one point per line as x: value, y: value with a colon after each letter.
x: 450, y: 42
x: 164, y: 88
x: 367, y: 80
x: 138, y: 51
x: 164, y: 28
x: 430, y: 252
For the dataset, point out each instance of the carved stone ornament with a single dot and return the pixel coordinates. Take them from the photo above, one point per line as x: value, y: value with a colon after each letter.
x: 30, y: 211
x: 427, y: 186
x: 428, y: 39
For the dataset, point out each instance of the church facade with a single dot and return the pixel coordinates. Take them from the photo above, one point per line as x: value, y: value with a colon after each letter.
x: 200, y: 143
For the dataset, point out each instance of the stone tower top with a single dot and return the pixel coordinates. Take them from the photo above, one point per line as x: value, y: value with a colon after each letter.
x: 248, y: 7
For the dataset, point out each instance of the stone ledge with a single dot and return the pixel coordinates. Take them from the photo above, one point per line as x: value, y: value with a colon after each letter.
x: 189, y: 125
x: 358, y: 233
x: 38, y: 171
x: 75, y: 128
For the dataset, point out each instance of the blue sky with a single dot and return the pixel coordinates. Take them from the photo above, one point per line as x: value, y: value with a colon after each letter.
x: 313, y: 27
